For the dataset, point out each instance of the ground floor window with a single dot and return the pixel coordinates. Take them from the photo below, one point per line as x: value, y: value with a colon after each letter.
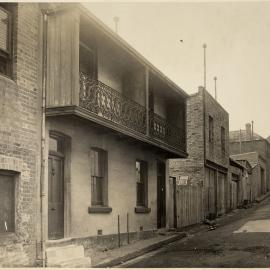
x: 99, y: 177
x: 141, y: 180
x: 7, y: 202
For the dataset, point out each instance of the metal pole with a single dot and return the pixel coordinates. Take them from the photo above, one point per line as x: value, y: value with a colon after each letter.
x: 240, y: 141
x: 127, y: 228
x: 215, y: 79
x: 43, y: 137
x: 252, y: 130
x: 204, y: 64
x: 119, y: 239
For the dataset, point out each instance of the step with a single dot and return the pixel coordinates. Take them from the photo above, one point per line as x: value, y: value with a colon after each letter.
x: 56, y: 255
x: 84, y: 262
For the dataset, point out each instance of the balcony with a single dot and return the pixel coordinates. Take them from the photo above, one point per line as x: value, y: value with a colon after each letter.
x: 128, y: 98
x: 108, y: 104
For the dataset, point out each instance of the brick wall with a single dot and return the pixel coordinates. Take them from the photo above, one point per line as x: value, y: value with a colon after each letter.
x: 220, y: 119
x: 19, y: 135
x: 193, y: 166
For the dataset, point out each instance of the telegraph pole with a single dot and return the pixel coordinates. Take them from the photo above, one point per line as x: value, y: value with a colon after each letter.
x: 215, y: 79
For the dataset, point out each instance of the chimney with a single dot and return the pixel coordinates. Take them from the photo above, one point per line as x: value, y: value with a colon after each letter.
x: 248, y: 131
x: 200, y: 88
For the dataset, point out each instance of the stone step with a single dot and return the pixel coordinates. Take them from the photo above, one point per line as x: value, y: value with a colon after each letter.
x: 57, y: 255
x: 84, y: 262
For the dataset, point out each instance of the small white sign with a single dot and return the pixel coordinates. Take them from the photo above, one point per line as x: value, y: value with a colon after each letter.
x: 182, y: 180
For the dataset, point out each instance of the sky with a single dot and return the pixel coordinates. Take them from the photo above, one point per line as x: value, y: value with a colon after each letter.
x: 237, y: 35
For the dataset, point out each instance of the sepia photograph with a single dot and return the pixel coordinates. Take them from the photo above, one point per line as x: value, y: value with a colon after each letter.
x: 135, y: 134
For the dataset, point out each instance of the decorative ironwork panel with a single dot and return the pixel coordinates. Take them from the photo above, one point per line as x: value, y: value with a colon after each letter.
x: 167, y: 132
x: 108, y: 103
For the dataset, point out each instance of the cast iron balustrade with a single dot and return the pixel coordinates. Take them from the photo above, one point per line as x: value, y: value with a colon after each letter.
x: 165, y: 131
x: 111, y: 105
x: 108, y: 103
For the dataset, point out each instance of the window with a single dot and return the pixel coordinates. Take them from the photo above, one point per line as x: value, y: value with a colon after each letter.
x: 7, y: 202
x: 5, y: 39
x: 223, y: 140
x: 211, y: 129
x: 141, y: 180
x: 98, y: 177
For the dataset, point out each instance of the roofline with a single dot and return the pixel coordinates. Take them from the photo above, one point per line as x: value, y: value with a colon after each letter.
x: 237, y: 164
x: 130, y: 49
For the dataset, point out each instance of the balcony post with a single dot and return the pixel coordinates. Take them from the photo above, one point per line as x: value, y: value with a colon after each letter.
x: 147, y: 99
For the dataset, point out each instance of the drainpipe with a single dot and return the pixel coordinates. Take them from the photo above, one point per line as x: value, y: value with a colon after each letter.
x: 43, y: 136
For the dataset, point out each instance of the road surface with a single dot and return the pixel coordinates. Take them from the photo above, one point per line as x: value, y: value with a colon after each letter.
x: 242, y: 242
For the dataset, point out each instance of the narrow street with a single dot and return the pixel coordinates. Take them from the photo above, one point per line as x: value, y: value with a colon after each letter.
x: 243, y: 241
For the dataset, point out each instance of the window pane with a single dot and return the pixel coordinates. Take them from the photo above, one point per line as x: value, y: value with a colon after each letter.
x: 6, y: 203
x: 140, y: 194
x: 4, y: 20
x: 97, y: 190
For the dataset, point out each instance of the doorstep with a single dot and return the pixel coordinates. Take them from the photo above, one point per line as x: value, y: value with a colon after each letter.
x: 125, y: 253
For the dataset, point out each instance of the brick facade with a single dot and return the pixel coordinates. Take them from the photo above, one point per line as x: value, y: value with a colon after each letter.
x: 19, y: 137
x: 199, y: 107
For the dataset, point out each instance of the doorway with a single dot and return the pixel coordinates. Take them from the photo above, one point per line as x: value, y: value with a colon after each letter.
x: 161, y: 195
x: 55, y: 189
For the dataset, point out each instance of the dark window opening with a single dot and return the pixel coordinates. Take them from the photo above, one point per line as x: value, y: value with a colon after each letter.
x: 141, y: 180
x: 223, y: 140
x: 211, y: 129
x: 7, y: 202
x: 5, y: 38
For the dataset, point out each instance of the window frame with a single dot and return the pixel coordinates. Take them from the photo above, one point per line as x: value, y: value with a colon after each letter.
x: 103, y: 164
x: 223, y: 140
x: 7, y: 55
x: 211, y: 129
x: 144, y: 179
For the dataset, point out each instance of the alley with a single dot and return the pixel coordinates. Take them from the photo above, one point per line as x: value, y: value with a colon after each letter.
x: 243, y: 241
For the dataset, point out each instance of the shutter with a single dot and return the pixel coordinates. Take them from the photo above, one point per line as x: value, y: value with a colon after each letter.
x: 63, y: 58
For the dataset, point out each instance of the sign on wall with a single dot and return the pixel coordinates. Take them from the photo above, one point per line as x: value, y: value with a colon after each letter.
x: 182, y: 180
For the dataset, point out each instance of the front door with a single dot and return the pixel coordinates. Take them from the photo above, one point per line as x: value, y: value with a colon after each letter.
x: 161, y: 195
x: 56, y: 197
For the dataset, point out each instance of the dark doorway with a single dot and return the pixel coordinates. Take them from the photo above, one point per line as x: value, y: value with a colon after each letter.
x: 161, y: 195
x: 55, y: 190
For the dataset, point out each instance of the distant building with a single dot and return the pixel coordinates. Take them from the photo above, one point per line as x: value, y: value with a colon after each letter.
x: 240, y: 183
x: 208, y: 152
x: 258, y: 169
x: 247, y: 141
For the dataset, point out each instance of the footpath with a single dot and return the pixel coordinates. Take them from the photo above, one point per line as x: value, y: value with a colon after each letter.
x: 118, y: 256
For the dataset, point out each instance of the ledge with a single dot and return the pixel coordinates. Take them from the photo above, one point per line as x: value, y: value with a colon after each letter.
x: 99, y: 209
x: 142, y: 210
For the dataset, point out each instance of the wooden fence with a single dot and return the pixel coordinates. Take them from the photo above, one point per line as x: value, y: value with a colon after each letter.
x: 189, y: 204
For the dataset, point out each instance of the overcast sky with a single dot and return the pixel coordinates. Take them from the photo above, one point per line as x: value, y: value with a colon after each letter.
x: 238, y: 49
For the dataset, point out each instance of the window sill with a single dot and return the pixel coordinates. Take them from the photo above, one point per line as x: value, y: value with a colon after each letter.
x: 99, y: 209
x: 142, y: 210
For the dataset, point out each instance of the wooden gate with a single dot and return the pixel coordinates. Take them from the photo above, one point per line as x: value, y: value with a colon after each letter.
x: 189, y: 204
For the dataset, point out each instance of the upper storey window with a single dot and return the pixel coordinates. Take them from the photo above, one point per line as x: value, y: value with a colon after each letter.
x: 5, y: 39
